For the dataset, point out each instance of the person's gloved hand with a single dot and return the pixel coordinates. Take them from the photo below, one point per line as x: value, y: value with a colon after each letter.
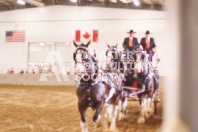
x: 141, y: 47
x: 154, y: 51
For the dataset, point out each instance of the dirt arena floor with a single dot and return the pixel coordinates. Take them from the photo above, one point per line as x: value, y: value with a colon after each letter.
x: 54, y: 109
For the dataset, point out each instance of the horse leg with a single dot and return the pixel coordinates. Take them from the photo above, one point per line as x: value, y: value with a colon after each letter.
x: 120, y: 109
x: 149, y: 108
x: 83, y: 123
x: 114, y: 116
x: 141, y: 119
x: 150, y: 100
x: 155, y: 101
x: 111, y: 93
x: 97, y: 115
x: 108, y: 113
x: 124, y: 105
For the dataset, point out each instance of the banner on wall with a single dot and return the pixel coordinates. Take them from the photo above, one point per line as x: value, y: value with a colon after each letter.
x: 95, y: 36
x: 84, y: 36
x: 15, y: 36
x: 77, y: 38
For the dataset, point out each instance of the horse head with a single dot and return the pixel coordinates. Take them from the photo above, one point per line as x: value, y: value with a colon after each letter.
x: 82, y: 44
x: 82, y: 48
x: 113, y: 52
x: 84, y: 62
x: 142, y: 64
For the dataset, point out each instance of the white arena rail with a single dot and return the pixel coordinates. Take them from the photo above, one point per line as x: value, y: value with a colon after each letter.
x: 33, y: 79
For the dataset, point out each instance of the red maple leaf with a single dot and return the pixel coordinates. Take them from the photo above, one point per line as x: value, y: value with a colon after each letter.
x: 86, y: 35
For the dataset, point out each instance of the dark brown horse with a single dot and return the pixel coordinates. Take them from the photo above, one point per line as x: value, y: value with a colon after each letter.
x: 144, y: 75
x: 116, y: 60
x: 138, y: 73
x: 91, y: 91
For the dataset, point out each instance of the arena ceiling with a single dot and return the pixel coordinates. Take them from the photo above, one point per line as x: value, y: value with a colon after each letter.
x: 6, y: 5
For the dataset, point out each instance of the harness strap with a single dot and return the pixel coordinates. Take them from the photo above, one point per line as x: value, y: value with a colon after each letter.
x: 89, y: 97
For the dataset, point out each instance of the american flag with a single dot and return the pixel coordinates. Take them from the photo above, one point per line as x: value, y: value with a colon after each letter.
x: 15, y: 36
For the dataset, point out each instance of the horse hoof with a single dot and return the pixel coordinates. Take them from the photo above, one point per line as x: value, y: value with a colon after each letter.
x: 104, y: 124
x: 84, y: 127
x: 149, y: 114
x: 113, y: 129
x: 123, y: 116
x: 141, y: 120
x: 125, y: 112
x: 120, y: 117
x: 99, y: 125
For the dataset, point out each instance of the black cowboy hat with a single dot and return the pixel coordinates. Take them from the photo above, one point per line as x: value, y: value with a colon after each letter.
x: 147, y: 32
x: 131, y: 31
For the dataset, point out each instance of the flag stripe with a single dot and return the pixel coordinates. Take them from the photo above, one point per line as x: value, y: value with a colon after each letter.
x: 95, y: 35
x: 77, y: 38
x: 16, y: 36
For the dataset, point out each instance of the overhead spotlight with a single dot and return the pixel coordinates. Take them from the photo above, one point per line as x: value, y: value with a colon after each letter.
x: 136, y: 2
x: 42, y: 44
x: 126, y: 1
x: 21, y: 2
x: 73, y: 1
x: 68, y: 43
x: 114, y: 1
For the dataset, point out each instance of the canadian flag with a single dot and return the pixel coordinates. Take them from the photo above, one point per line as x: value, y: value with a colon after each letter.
x: 85, y: 36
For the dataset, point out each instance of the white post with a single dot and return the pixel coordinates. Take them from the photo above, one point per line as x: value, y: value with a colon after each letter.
x: 181, y: 91
x: 189, y: 64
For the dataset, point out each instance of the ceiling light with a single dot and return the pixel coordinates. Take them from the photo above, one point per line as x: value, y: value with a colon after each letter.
x: 73, y: 1
x: 126, y: 1
x: 21, y: 2
x: 136, y: 3
x: 114, y: 1
x: 67, y: 43
x: 42, y: 44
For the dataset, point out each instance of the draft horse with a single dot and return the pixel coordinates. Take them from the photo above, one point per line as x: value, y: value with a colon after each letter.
x: 115, y: 60
x: 91, y: 91
x: 138, y: 73
x: 146, y: 81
